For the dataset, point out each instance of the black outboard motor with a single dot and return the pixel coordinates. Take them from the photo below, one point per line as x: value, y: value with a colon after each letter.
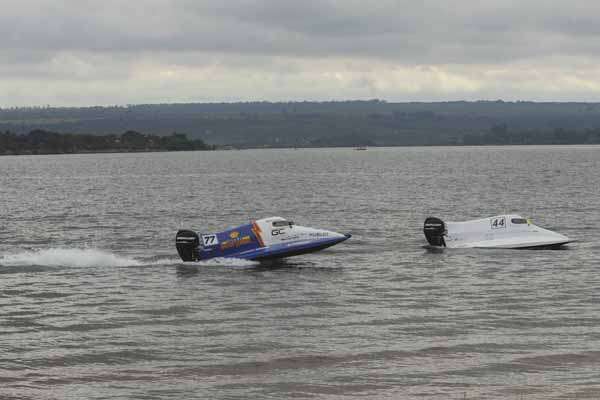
x: 187, y: 243
x: 435, y: 230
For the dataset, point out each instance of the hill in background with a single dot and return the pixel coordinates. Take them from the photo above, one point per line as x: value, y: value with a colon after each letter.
x: 348, y: 123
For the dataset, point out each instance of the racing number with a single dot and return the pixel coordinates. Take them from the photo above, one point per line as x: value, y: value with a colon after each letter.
x: 498, y: 223
x: 209, y: 240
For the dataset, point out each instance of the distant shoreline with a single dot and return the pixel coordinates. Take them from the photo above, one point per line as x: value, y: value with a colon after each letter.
x: 41, y: 142
x: 216, y: 148
x: 98, y: 152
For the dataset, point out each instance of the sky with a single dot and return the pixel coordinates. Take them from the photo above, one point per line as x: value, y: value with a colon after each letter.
x: 85, y: 53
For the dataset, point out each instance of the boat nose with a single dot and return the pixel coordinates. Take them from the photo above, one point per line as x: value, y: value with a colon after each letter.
x: 558, y: 237
x: 347, y: 235
x: 563, y: 237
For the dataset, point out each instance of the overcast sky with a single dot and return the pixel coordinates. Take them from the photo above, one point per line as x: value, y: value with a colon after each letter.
x: 122, y: 52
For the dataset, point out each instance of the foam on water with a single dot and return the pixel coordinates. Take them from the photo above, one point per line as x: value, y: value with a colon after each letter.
x: 224, y: 262
x: 84, y: 257
x: 64, y: 257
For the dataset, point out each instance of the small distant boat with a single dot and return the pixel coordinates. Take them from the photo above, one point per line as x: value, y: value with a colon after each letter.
x: 501, y: 232
x: 263, y: 239
x: 360, y: 148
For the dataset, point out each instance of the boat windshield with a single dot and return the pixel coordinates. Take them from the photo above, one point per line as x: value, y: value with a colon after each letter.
x: 518, y: 221
x: 278, y: 224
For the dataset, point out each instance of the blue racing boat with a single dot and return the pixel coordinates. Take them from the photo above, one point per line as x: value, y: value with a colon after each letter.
x: 263, y: 239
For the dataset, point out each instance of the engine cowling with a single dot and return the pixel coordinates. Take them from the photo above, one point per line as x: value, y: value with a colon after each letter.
x: 435, y: 230
x: 187, y: 243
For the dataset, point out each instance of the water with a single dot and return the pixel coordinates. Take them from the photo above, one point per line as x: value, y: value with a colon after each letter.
x: 95, y: 304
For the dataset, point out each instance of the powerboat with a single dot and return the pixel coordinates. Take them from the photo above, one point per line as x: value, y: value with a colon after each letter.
x: 263, y: 239
x: 501, y: 231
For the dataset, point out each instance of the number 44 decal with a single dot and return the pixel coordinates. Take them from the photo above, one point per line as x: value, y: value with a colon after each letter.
x: 498, y: 223
x: 209, y: 240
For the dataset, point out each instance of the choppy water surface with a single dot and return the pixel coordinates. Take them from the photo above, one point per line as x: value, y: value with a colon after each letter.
x: 95, y: 304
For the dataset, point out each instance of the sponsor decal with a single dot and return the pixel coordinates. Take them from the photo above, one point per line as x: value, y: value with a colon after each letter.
x: 234, y: 234
x: 319, y: 234
x: 235, y: 243
x: 288, y: 238
x: 257, y: 232
x: 277, y: 232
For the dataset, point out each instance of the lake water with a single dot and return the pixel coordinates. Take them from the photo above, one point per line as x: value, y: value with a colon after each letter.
x: 95, y: 304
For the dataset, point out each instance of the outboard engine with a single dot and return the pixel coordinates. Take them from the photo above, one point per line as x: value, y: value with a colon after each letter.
x: 435, y: 230
x: 187, y: 243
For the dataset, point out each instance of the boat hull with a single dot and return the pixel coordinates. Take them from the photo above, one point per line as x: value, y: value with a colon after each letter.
x: 521, y: 246
x: 498, y: 232
x: 292, y: 250
x: 265, y: 239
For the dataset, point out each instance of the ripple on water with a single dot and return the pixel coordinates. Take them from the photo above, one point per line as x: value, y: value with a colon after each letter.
x: 95, y: 303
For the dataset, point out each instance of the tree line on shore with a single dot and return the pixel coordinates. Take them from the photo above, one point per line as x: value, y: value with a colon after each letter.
x: 502, y: 135
x: 45, y: 142
x: 41, y: 141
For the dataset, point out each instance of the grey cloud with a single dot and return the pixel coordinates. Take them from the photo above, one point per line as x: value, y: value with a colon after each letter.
x: 280, y: 48
x: 408, y: 31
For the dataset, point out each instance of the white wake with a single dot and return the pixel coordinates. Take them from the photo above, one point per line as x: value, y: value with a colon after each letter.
x: 62, y: 257
x: 224, y: 262
x: 86, y: 257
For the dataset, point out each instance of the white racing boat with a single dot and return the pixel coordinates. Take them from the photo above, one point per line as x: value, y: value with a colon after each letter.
x: 502, y: 232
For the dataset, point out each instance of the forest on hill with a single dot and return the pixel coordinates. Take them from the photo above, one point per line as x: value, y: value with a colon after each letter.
x: 45, y: 142
x: 321, y: 124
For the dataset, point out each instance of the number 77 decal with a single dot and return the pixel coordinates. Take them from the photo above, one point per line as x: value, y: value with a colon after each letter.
x: 209, y: 240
